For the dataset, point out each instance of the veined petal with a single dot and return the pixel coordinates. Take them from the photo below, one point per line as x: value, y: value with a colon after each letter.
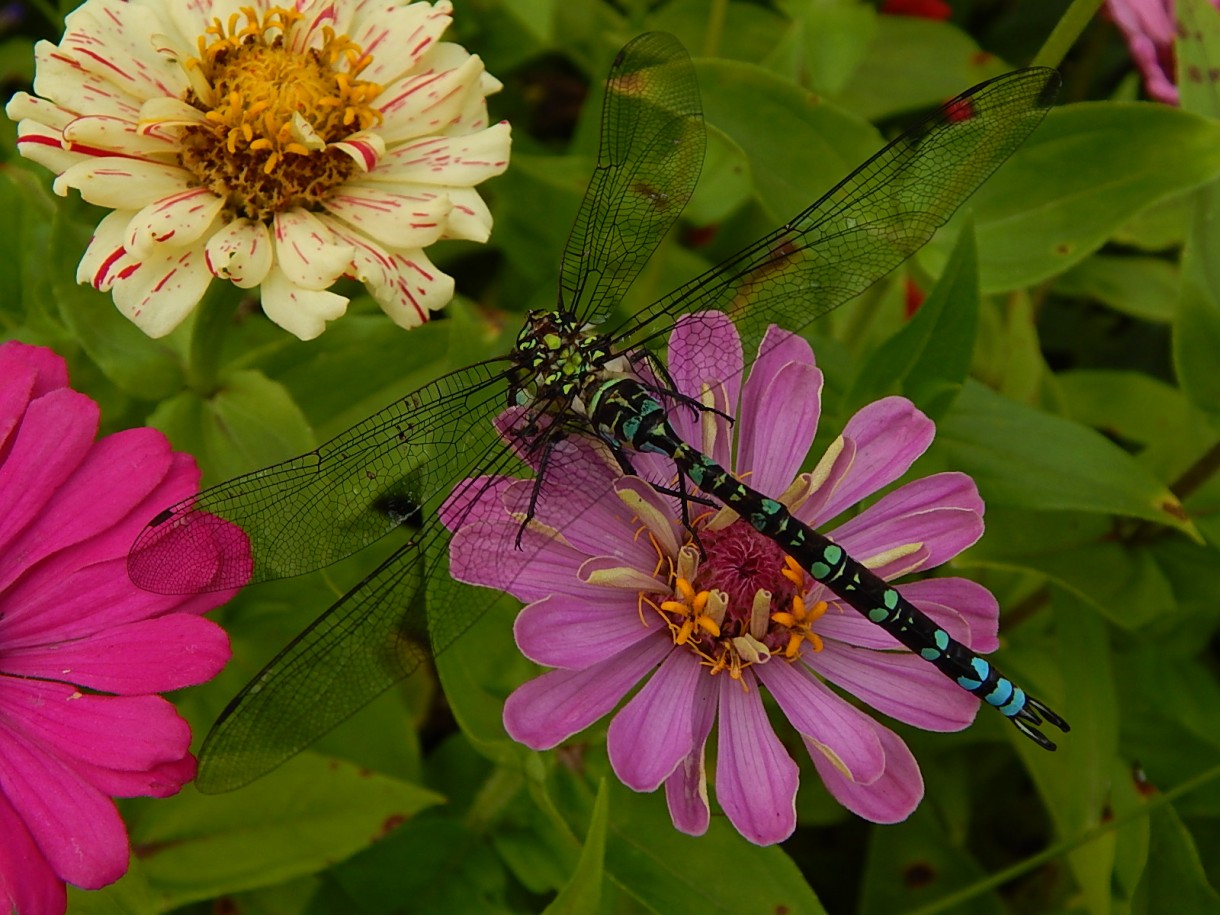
x: 566, y: 632
x: 899, y: 684
x: 27, y: 882
x: 892, y: 797
x: 300, y: 311
x: 241, y: 252
x: 814, y: 710
x: 655, y: 730
x: 117, y: 182
x: 549, y: 709
x: 775, y: 434
x: 175, y: 221
x: 705, y: 355
x: 888, y: 434
x: 756, y: 779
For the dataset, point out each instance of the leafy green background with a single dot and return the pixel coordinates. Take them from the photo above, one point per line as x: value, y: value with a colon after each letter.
x: 1069, y: 349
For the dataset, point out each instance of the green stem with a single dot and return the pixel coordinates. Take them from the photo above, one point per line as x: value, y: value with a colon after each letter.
x: 1070, y: 28
x: 1197, y: 473
x: 715, y: 28
x: 1062, y: 848
x: 213, y: 315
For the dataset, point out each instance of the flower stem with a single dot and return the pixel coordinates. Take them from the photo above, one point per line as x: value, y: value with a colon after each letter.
x: 1197, y: 473
x: 213, y: 315
x: 715, y: 28
x: 1066, y: 32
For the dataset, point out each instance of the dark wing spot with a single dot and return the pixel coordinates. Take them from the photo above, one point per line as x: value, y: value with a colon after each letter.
x: 162, y: 517
x: 401, y: 509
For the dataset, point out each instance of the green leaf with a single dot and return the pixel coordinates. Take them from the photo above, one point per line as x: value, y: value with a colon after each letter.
x: 582, y: 895
x: 1088, y: 169
x: 1023, y: 458
x: 928, y: 359
x: 251, y: 421
x: 302, y: 818
x: 1197, y: 51
x: 131, y: 895
x: 671, y: 872
x: 1196, y: 340
x: 1142, y: 287
x: 1174, y: 869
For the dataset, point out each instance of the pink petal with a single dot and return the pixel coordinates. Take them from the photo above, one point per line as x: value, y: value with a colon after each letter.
x: 551, y: 708
x: 899, y: 684
x: 889, y: 434
x: 563, y: 631
x: 76, y: 826
x: 485, y: 553
x: 756, y: 779
x: 49, y: 369
x: 654, y: 732
x: 774, y: 435
x: 892, y: 797
x: 475, y: 499
x: 817, y: 712
x: 27, y: 883
x: 150, y: 656
x: 686, y: 788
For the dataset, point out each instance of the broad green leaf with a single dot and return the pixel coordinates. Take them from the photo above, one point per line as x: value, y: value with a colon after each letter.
x: 824, y: 45
x: 1088, y: 169
x: 1197, y: 52
x: 583, y: 893
x: 1023, y: 458
x: 1142, y: 287
x: 248, y: 423
x: 305, y: 816
x: 131, y: 895
x: 1196, y: 341
x: 798, y: 146
x: 928, y: 358
x: 725, y: 183
x: 1158, y: 227
x: 1174, y: 870
x: 669, y: 872
x: 915, y: 63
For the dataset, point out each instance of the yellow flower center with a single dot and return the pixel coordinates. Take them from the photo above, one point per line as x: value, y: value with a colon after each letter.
x: 274, y: 113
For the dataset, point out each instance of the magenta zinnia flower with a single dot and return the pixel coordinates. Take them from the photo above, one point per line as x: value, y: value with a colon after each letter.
x: 83, y: 651
x: 618, y: 595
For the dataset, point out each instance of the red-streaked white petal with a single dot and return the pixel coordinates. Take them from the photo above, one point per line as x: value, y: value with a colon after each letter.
x: 242, y: 251
x: 175, y: 221
x: 428, y: 102
x: 45, y: 146
x: 111, y: 39
x: 306, y: 253
x: 460, y: 161
x: 469, y: 218
x: 62, y: 79
x: 120, y: 183
x: 106, y: 259
x: 365, y: 148
x: 109, y: 136
x: 394, y: 220
x: 161, y: 291
x: 399, y: 36
x: 300, y: 311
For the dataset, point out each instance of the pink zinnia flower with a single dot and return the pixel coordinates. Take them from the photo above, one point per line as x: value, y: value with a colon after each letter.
x: 83, y: 651
x: 1150, y: 27
x: 618, y: 595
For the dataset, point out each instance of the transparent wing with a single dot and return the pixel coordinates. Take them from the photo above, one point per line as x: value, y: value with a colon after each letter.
x: 315, y: 509
x: 652, y: 143
x: 870, y: 222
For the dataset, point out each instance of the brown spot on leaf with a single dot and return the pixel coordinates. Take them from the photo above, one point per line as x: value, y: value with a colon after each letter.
x: 918, y: 875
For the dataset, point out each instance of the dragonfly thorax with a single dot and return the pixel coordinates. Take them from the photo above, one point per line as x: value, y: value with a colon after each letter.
x: 556, y: 358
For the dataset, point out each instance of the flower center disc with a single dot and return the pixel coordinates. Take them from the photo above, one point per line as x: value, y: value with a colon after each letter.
x: 267, y: 143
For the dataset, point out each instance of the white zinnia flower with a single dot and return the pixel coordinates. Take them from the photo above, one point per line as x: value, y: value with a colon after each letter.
x: 272, y: 146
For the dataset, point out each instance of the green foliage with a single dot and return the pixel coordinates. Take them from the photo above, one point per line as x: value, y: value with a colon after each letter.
x: 1068, y: 347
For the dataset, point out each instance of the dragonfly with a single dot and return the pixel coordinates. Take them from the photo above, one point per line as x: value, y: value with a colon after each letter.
x: 392, y: 471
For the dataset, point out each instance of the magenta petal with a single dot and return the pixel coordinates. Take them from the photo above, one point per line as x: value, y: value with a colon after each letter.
x: 756, y: 779
x: 686, y: 788
x: 964, y: 608
x: 570, y: 633
x: 149, y: 656
x: 899, y: 684
x: 892, y: 797
x: 485, y: 553
x: 815, y: 711
x: 27, y: 883
x: 551, y: 708
x: 75, y: 825
x: 888, y: 434
x: 774, y: 436
x: 653, y: 732
x: 47, y: 369
x: 474, y: 499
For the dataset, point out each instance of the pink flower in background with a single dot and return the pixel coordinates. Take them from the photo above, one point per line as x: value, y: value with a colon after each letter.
x: 1150, y: 27
x: 277, y: 146
x: 83, y: 651
x: 618, y: 595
